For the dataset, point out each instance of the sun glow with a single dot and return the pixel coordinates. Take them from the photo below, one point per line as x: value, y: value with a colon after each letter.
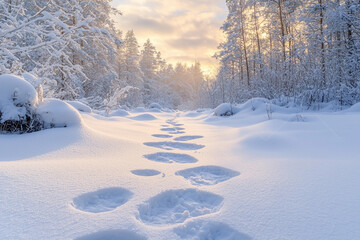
x: 181, y: 30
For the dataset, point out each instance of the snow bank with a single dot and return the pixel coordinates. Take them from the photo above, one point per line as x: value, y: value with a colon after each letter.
x: 80, y: 106
x: 155, y: 105
x: 57, y: 113
x: 255, y: 106
x: 139, y: 110
x: 119, y: 113
x: 144, y: 117
x: 354, y: 108
x: 17, y: 98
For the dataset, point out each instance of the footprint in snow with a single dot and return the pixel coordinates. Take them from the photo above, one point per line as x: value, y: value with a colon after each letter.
x: 146, y: 172
x: 176, y: 206
x: 170, y: 129
x: 187, y: 138
x: 103, y: 200
x: 207, y: 175
x: 177, y: 132
x: 174, y: 123
x: 162, y: 135
x: 170, y: 157
x: 113, y: 235
x: 174, y: 145
x: 201, y: 230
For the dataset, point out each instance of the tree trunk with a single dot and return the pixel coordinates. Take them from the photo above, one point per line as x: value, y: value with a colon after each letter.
x: 244, y: 44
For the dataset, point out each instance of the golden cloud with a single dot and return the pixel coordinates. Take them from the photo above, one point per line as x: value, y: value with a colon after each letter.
x: 183, y: 30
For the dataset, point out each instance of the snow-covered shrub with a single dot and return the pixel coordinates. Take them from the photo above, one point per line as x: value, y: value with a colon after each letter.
x: 18, y: 100
x: 225, y: 109
x: 124, y: 96
x: 155, y: 105
x: 22, y: 112
x: 57, y: 113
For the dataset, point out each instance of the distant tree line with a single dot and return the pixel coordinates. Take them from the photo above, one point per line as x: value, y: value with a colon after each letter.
x: 302, y: 51
x: 76, y: 51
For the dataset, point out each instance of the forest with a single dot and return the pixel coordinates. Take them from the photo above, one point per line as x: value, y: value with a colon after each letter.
x: 304, y: 52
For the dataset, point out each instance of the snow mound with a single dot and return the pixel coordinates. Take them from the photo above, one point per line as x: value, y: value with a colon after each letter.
x: 144, y: 117
x: 57, y: 113
x: 225, y: 110
x: 201, y: 230
x: 103, y: 200
x: 139, y: 110
x: 353, y: 108
x: 176, y: 206
x: 154, y: 110
x: 113, y: 235
x: 265, y: 106
x: 17, y: 97
x: 155, y: 105
x: 119, y: 113
x: 80, y: 106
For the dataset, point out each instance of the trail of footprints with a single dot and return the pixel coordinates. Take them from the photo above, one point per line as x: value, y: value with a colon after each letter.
x: 171, y: 206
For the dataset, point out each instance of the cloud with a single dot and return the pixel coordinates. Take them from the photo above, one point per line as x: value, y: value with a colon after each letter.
x: 183, y: 30
x: 191, y: 43
x: 147, y: 25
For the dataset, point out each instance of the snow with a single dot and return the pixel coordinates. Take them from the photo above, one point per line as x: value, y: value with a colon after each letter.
x: 80, y: 106
x: 103, y: 200
x: 155, y: 105
x: 119, y: 113
x: 15, y: 95
x: 293, y: 176
x: 57, y: 113
x: 225, y: 109
x: 144, y: 117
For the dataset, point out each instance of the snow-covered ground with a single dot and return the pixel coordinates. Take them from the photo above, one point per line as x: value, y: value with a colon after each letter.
x: 185, y: 175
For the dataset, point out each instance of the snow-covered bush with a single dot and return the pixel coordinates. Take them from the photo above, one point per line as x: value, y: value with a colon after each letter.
x: 22, y: 112
x: 155, y: 106
x: 124, y: 96
x: 225, y: 109
x: 18, y: 101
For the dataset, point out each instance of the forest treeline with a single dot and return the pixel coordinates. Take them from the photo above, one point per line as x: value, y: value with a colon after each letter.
x: 74, y: 49
x: 301, y: 51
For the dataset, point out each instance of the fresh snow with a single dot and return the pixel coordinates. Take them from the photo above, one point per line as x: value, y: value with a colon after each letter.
x: 57, y: 113
x: 266, y: 172
x: 14, y: 91
x: 80, y: 106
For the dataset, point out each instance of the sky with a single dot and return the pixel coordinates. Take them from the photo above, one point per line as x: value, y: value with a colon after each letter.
x: 182, y: 30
